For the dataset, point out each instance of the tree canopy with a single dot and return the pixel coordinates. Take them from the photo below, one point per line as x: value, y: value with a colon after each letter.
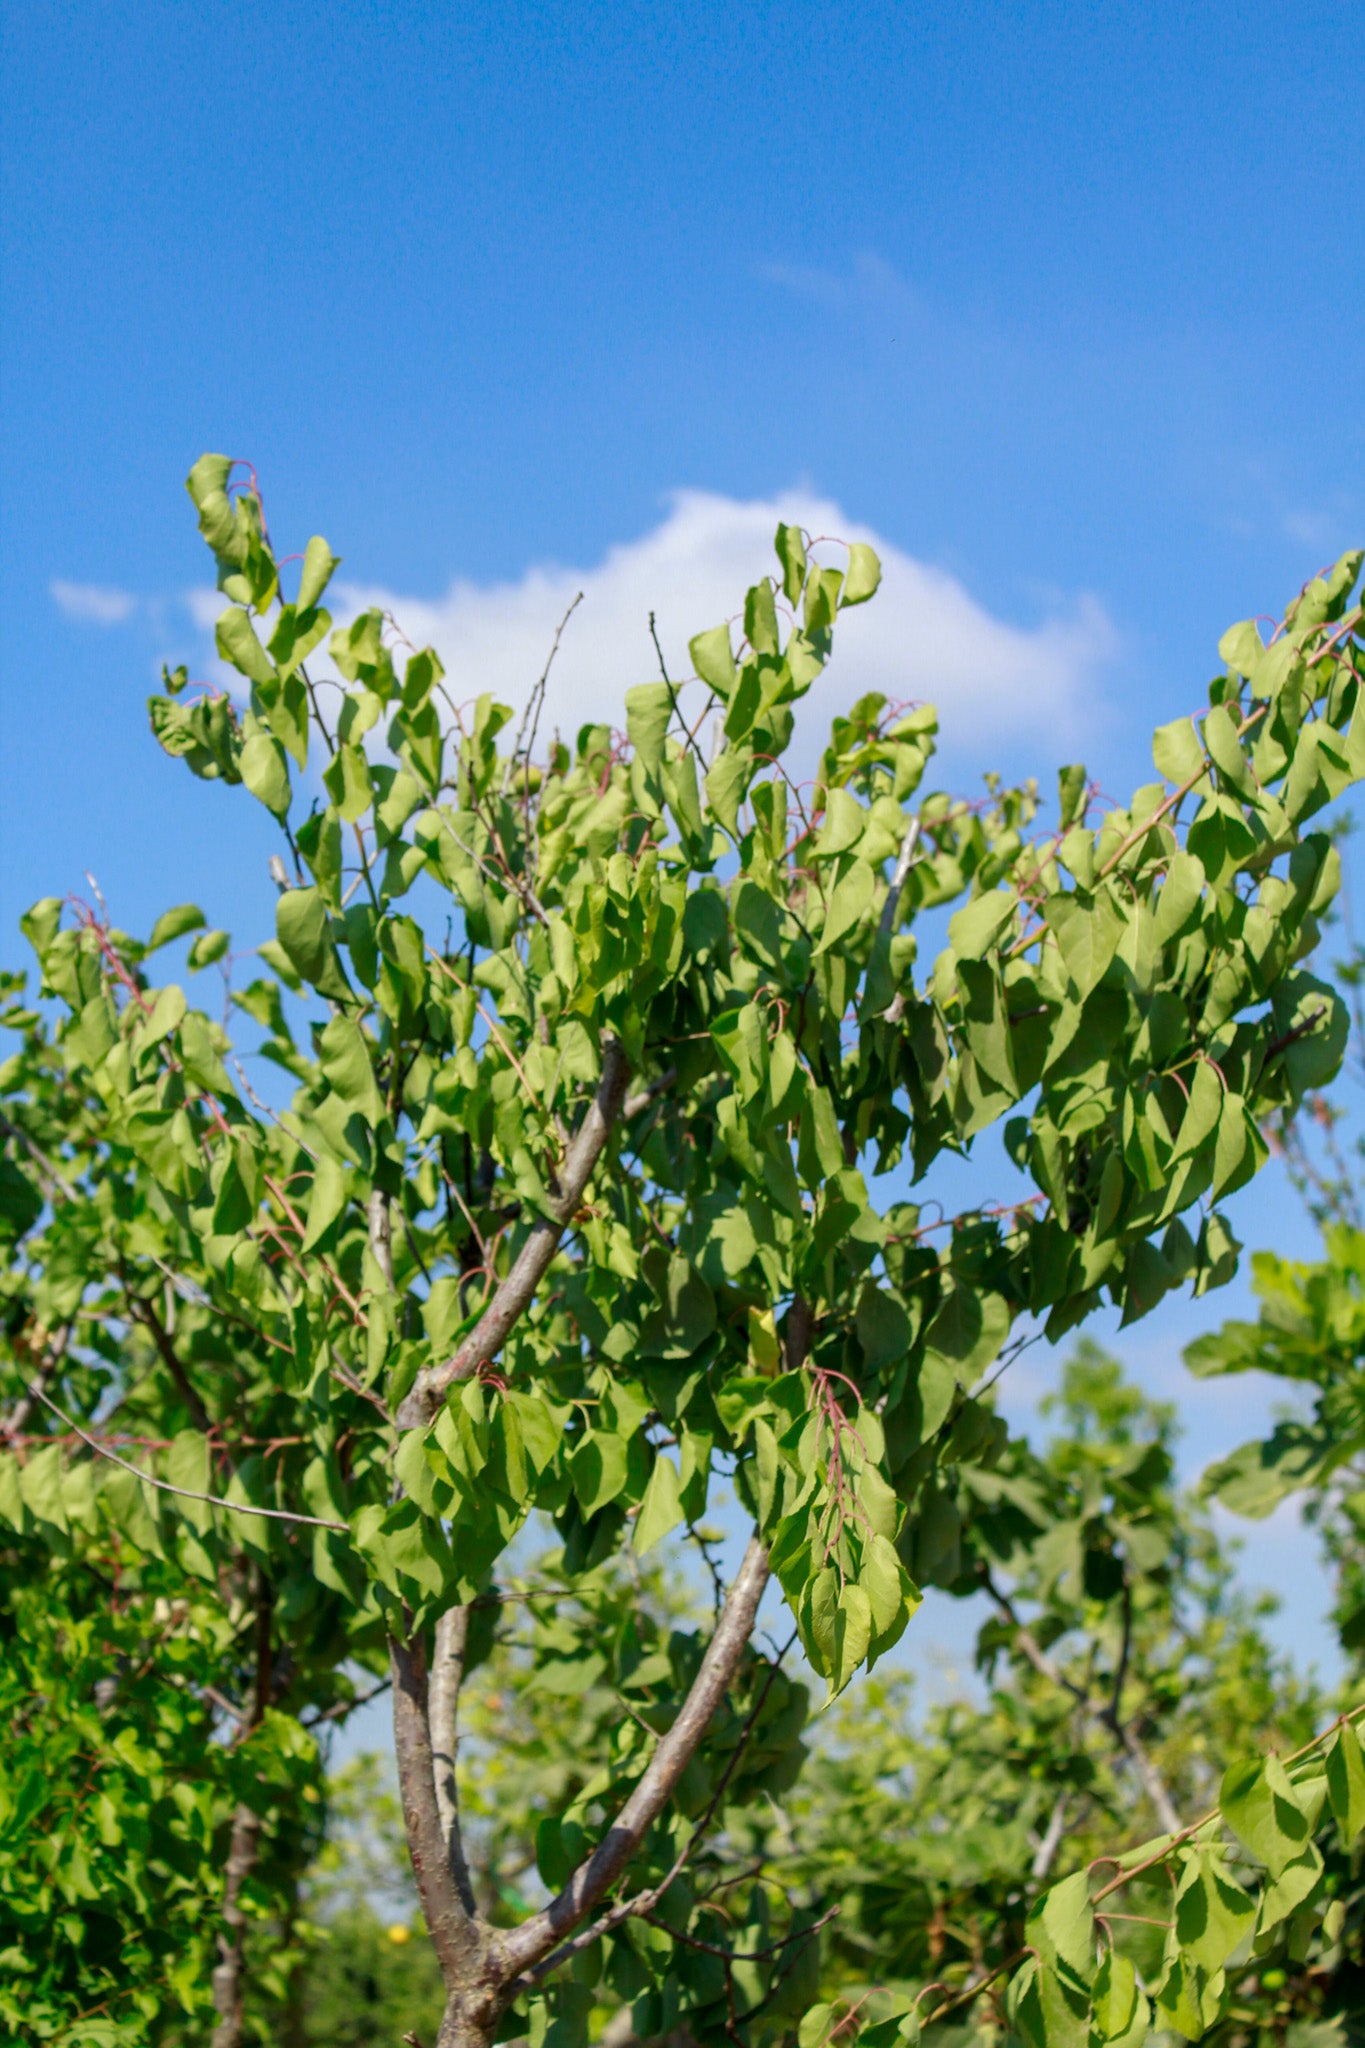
x: 601, y: 1182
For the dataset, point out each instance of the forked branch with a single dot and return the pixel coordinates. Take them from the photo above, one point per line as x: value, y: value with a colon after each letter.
x: 520, y: 1950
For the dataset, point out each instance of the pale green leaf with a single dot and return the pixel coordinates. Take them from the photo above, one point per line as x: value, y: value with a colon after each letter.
x: 661, y: 1507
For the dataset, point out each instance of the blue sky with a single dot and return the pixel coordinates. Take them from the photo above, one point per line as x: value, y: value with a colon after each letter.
x: 1062, y: 304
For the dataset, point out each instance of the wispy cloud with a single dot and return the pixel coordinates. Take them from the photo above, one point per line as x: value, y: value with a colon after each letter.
x: 1321, y: 529
x: 95, y: 604
x: 925, y: 637
x: 868, y: 279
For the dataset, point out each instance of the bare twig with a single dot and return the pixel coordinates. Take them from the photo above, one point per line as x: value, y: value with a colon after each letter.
x: 54, y: 1183
x: 212, y: 1500
x: 1104, y: 1713
x: 642, y: 1097
x: 673, y: 694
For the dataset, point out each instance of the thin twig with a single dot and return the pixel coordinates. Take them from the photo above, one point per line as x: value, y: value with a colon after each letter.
x: 231, y: 1507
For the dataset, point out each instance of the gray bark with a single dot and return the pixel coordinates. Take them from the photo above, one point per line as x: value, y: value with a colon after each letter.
x: 516, y: 1292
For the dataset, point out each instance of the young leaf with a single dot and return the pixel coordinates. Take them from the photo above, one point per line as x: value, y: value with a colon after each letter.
x: 1346, y: 1783
x: 319, y: 563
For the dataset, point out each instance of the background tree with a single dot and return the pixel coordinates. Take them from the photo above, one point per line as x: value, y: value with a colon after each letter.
x: 569, y: 1210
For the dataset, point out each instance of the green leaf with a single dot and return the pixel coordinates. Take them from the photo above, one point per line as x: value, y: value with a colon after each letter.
x: 187, y: 1464
x: 1088, y: 934
x: 305, y: 934
x: 40, y: 1485
x: 345, y: 1059
x: 1062, y: 1926
x: 822, y: 599
x: 173, y: 924
x: 1178, y: 2002
x: 760, y: 618
x: 207, y: 948
x: 891, y: 1594
x: 1177, y: 752
x: 1241, y: 647
x: 1202, y: 1111
x: 852, y: 1633
x: 844, y: 823
x: 1258, y: 1804
x: 1346, y: 1783
x: 660, y: 1509
x: 863, y: 575
x: 347, y: 780
x: 318, y: 565
x: 649, y: 708
x: 791, y: 553
x: 207, y: 486
x: 1294, y: 1884
x: 1213, y: 1914
x: 266, y: 772
x: 816, y: 2023
x: 1223, y: 740
x: 1119, y: 2008
x: 166, y: 1013
x: 968, y: 1330
x: 598, y: 1465
x: 1181, y: 893
x: 1071, y: 786
x: 238, y: 645
x: 849, y: 902
x: 974, y: 929
x: 713, y: 660
x: 727, y: 779
x: 326, y: 1200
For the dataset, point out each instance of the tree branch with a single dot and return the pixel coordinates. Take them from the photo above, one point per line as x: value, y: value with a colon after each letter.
x: 35, y: 1390
x: 453, y: 1930
x: 54, y: 1184
x: 443, y: 1720
x: 641, y: 1904
x: 642, y: 1098
x: 517, y: 1291
x: 1051, y: 1841
x: 1152, y: 1782
x: 147, y: 1315
x: 527, y: 1945
x: 243, y: 1846
x: 1107, y: 1716
x: 904, y: 863
x: 381, y: 1233
x: 212, y: 1500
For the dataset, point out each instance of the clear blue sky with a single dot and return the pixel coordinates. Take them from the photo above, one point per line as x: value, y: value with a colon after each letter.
x: 1064, y: 301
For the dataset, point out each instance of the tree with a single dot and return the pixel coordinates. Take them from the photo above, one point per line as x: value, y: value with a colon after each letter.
x: 569, y: 1209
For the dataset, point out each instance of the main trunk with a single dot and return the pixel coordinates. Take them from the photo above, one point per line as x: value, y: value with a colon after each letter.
x: 227, y: 1978
x: 460, y: 2028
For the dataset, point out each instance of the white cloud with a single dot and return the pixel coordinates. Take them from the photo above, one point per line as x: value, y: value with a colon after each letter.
x: 206, y: 607
x: 93, y: 603
x: 924, y: 636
